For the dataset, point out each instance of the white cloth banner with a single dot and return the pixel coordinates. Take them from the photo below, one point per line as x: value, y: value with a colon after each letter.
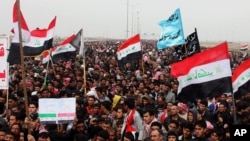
x: 4, y: 45
x: 57, y: 110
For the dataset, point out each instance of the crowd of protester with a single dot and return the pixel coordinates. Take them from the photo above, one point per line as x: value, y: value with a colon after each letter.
x: 134, y: 102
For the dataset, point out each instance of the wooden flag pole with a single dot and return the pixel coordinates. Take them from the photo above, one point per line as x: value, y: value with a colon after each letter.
x: 233, y: 102
x: 143, y: 70
x: 197, y: 36
x: 142, y: 62
x: 22, y: 64
x: 82, y: 54
x: 7, y: 99
x: 52, y: 64
x: 84, y: 76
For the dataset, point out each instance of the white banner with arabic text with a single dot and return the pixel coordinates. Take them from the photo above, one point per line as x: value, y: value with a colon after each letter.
x: 4, y: 45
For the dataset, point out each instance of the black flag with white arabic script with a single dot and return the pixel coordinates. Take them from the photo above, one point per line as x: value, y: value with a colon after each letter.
x: 191, y: 47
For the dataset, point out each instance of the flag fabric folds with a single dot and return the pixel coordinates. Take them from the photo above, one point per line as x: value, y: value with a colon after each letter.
x: 36, y: 45
x: 40, y: 40
x: 191, y: 47
x: 78, y: 43
x: 46, y: 56
x: 129, y: 51
x: 205, y: 74
x: 65, y: 50
x: 50, y: 33
x: 14, y: 51
x: 172, y: 31
x: 241, y: 79
x: 244, y: 47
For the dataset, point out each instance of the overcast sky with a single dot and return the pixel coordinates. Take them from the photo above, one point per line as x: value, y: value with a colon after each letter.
x: 215, y: 20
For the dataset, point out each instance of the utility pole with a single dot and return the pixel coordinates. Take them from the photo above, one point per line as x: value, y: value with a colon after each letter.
x: 138, y: 22
x: 127, y: 18
x: 132, y: 27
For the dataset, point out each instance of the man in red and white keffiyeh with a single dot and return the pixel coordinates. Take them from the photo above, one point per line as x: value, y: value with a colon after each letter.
x: 132, y: 122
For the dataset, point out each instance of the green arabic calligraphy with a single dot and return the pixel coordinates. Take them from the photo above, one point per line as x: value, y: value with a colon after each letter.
x: 199, y: 74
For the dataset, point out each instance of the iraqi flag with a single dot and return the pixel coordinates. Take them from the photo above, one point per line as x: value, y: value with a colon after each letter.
x: 65, y: 50
x: 46, y: 56
x: 130, y: 50
x: 244, y: 47
x: 205, y: 74
x: 50, y: 33
x: 78, y: 43
x: 40, y: 40
x: 241, y: 79
x: 14, y: 51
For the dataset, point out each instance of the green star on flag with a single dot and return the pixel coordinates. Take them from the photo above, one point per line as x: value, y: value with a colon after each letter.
x: 218, y: 69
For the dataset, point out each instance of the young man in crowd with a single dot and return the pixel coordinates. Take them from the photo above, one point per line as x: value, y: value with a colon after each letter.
x: 132, y: 121
x: 200, y: 128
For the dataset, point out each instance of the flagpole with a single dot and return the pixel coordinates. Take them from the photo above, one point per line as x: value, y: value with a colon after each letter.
x: 197, y: 36
x: 54, y: 70
x: 234, y: 113
x: 22, y: 63
x: 142, y: 65
x: 82, y: 54
x: 84, y: 76
x: 143, y: 71
x: 7, y: 99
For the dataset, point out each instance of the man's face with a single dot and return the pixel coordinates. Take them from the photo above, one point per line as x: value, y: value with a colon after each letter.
x: 12, y: 120
x: 105, y: 126
x: 45, y: 94
x: 125, y: 107
x: 80, y: 127
x: 12, y: 103
x: 199, y: 131
x: 32, y: 109
x: 91, y: 101
x: 96, y: 109
x: 15, y: 129
x: 112, y: 135
x: 157, y: 88
x: 9, y: 137
x: 119, y: 128
x: 202, y: 107
x: 147, y: 118
x: 173, y: 110
x: 98, y: 138
x: 175, y: 88
x: 118, y: 88
x: 169, y: 105
x: 187, y: 132
x: 34, y: 123
x: 221, y: 108
x: 172, y: 138
x: 2, y: 134
x: 172, y: 127
x: 155, y: 136
x: 223, y: 97
x: 119, y: 113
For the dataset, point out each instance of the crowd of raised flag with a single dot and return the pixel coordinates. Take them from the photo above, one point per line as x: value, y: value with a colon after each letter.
x: 125, y: 90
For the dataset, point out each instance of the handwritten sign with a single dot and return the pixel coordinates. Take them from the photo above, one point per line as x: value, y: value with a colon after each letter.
x: 4, y: 44
x: 57, y: 110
